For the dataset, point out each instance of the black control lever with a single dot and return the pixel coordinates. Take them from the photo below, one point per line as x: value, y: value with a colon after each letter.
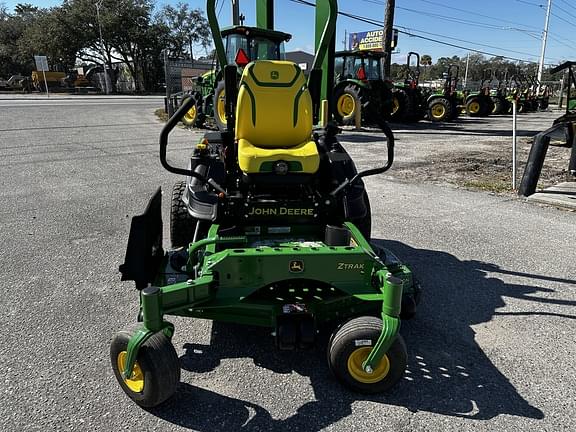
x: 170, y: 125
x: 374, y: 171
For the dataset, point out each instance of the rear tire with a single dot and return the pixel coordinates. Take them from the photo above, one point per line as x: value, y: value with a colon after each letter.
x: 404, y: 104
x: 193, y: 115
x: 182, y: 224
x: 349, y: 347
x: 220, y: 106
x: 346, y: 99
x: 440, y: 110
x: 498, y: 105
x: 364, y: 225
x: 474, y: 107
x: 156, y: 374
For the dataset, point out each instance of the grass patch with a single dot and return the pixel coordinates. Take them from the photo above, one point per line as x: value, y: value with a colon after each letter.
x: 498, y: 186
x: 161, y: 114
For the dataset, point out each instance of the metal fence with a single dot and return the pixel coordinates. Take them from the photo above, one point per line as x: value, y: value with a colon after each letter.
x: 180, y: 75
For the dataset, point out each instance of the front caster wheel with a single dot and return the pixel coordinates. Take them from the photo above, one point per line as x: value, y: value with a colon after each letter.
x: 156, y: 373
x: 349, y: 348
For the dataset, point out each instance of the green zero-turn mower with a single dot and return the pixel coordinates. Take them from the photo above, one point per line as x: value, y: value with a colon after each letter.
x: 273, y: 224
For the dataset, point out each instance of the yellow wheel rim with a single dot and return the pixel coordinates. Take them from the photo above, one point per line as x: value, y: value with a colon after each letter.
x: 221, y: 108
x: 395, y: 105
x: 190, y: 116
x: 358, y: 357
x: 346, y: 105
x: 136, y: 381
x: 474, y: 107
x: 438, y: 111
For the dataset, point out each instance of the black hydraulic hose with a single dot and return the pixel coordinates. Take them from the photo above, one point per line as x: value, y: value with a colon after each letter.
x: 373, y: 171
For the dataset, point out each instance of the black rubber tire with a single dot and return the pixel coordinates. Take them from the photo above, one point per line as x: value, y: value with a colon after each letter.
x: 487, y: 105
x: 354, y: 92
x: 220, y: 122
x: 448, y: 110
x: 481, y: 107
x: 190, y: 119
x: 344, y: 342
x: 159, y: 363
x: 365, y: 224
x: 404, y: 106
x: 498, y: 105
x: 520, y: 107
x: 182, y: 224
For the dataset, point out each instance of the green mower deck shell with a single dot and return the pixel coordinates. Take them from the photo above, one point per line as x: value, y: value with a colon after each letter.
x: 246, y: 282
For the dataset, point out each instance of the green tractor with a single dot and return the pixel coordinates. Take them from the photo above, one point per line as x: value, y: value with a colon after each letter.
x: 479, y: 103
x: 271, y: 228
x: 242, y: 44
x: 445, y: 105
x: 521, y: 91
x: 408, y: 99
x: 360, y: 83
x: 499, y: 94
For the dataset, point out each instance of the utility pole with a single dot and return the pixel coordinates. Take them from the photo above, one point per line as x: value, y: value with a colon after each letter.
x: 466, y: 73
x: 235, y: 12
x: 544, y: 39
x: 388, y: 34
x: 103, y: 52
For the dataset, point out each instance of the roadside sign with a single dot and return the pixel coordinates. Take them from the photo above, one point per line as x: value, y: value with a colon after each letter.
x: 371, y: 41
x: 41, y: 63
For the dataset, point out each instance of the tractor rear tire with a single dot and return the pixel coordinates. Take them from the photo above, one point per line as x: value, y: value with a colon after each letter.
x: 347, y: 100
x: 404, y: 106
x: 440, y: 110
x: 182, y: 224
x: 220, y: 107
x: 156, y: 374
x: 194, y: 117
x: 498, y: 105
x: 350, y: 346
x: 475, y: 107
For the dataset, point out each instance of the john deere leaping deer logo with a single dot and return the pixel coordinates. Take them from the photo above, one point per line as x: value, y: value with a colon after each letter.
x: 296, y: 266
x: 274, y: 75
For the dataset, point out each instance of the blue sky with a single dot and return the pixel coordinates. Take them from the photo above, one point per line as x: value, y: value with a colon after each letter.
x: 510, y: 28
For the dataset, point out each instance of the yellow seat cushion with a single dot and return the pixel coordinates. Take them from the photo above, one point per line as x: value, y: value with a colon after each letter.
x: 301, y: 159
x: 274, y: 119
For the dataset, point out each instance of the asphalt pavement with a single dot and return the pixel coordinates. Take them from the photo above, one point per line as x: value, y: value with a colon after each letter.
x: 491, y: 349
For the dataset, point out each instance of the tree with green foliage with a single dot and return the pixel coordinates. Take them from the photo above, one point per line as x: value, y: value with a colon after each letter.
x: 188, y: 27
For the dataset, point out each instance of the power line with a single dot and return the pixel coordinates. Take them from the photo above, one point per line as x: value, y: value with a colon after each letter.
x: 565, y: 11
x: 476, y: 14
x: 568, y: 4
x: 410, y: 32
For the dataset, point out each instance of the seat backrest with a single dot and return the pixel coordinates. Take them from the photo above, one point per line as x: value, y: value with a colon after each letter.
x: 274, y: 107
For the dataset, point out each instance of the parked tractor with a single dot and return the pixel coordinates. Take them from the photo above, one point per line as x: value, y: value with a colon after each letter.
x: 479, y: 103
x: 408, y: 100
x: 499, y: 94
x: 444, y: 105
x: 359, y: 83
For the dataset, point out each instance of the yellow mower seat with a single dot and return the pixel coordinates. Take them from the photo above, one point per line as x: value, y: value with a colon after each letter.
x: 274, y: 119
